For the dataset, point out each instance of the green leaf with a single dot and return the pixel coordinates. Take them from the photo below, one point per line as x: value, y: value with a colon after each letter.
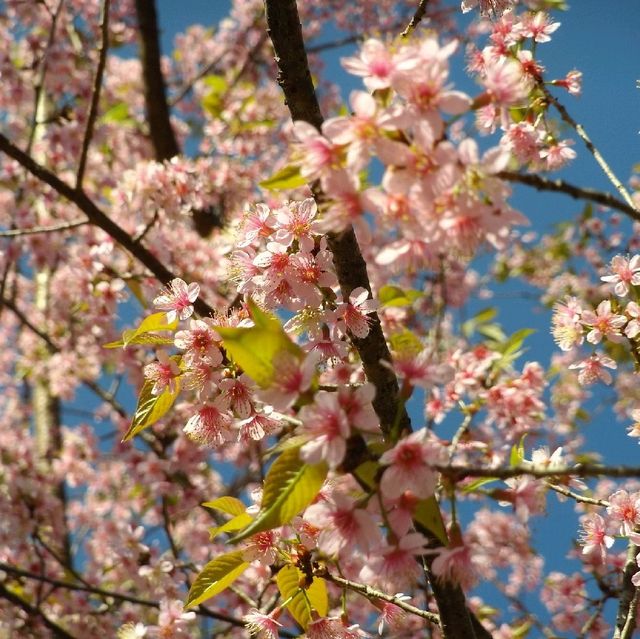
x: 427, y: 513
x: 213, y: 101
x: 118, y: 114
x: 517, y: 453
x: 482, y: 317
x: 150, y: 324
x: 493, y: 332
x: 471, y: 487
x: 234, y: 524
x: 215, y: 577
x: 395, y: 296
x: 405, y: 342
x: 287, y: 178
x: 289, y: 487
x: 151, y: 407
x: 255, y: 348
x: 227, y: 505
x: 289, y: 579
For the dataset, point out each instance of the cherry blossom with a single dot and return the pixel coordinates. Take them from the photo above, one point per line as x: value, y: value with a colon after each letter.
x: 178, y: 300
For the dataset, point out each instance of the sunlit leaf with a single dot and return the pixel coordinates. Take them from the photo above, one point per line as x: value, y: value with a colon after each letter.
x: 289, y: 487
x: 395, y: 296
x: 427, y: 513
x: 289, y: 579
x: 287, y: 178
x: 228, y: 505
x: 215, y: 577
x: 254, y: 348
x: 151, y: 407
x: 236, y: 523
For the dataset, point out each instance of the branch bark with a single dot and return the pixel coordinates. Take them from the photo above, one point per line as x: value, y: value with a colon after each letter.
x: 294, y: 77
x: 163, y: 138
x: 96, y: 216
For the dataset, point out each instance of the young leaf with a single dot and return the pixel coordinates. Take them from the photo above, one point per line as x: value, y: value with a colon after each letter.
x: 289, y: 487
x: 236, y: 523
x: 228, y: 505
x: 287, y: 178
x: 217, y: 575
x: 395, y: 296
x: 151, y: 407
x: 144, y: 333
x: 289, y: 579
x: 255, y: 347
x: 428, y: 514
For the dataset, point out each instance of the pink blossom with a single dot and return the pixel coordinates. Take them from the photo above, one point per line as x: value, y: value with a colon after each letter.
x: 317, y: 156
x: 624, y: 511
x: 199, y: 341
x: 391, y: 615
x: 625, y: 273
x: 409, y: 466
x: 261, y: 625
x: 594, y: 536
x: 326, y: 425
x: 262, y: 547
x: 178, y: 299
x: 592, y: 369
x: 572, y: 82
x: 296, y: 221
x: 257, y: 223
x: 453, y: 564
x: 376, y: 64
x: 342, y: 525
x: 355, y: 313
x: 632, y: 329
x: 539, y: 27
x: 237, y: 392
x: 557, y: 155
x: 487, y: 7
x: 211, y: 424
x: 567, y: 328
x: 604, y: 323
x: 292, y: 379
x: 505, y: 81
x: 162, y: 373
x: 331, y: 628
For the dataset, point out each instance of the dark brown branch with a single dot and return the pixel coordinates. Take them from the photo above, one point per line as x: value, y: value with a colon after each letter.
x: 118, y: 596
x: 65, y: 226
x: 33, y: 612
x: 95, y: 94
x: 627, y: 605
x: 417, y: 17
x: 577, y: 192
x: 96, y: 216
x: 294, y: 77
x: 456, y: 473
x: 163, y: 138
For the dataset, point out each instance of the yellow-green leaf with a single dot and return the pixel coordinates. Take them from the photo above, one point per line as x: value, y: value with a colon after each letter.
x: 289, y: 487
x: 289, y: 579
x: 255, y: 347
x: 227, y: 505
x: 395, y: 296
x: 145, y: 333
x: 217, y: 575
x: 236, y: 523
x: 287, y: 178
x: 428, y: 514
x: 151, y: 407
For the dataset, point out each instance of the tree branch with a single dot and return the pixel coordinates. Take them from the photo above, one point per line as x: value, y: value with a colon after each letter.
x: 577, y: 192
x: 294, y: 77
x: 95, y: 94
x: 627, y: 606
x: 372, y: 593
x: 456, y: 473
x: 96, y: 216
x: 65, y: 226
x: 33, y: 612
x: 415, y: 20
x: 579, y: 129
x: 163, y: 138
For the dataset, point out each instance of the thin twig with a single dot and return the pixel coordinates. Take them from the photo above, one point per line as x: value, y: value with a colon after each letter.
x: 149, y: 603
x: 456, y: 473
x: 417, y: 16
x: 95, y: 94
x: 563, y: 490
x: 372, y: 593
x: 65, y: 226
x: 96, y: 216
x: 628, y: 599
x: 577, y: 192
x: 58, y: 631
x: 579, y: 129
